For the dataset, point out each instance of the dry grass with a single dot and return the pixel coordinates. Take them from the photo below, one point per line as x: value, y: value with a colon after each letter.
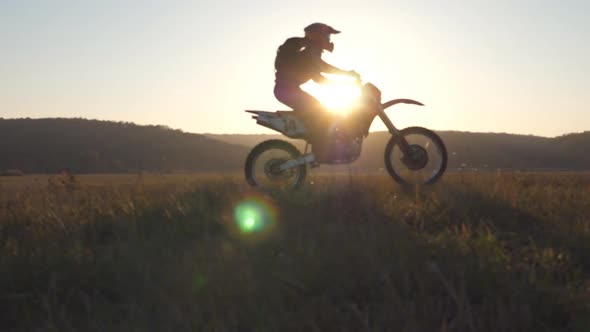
x: 484, y: 252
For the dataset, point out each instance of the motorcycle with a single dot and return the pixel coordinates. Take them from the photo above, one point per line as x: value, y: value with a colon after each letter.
x: 413, y: 156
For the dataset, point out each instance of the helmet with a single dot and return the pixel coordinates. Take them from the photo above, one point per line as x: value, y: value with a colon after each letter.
x: 319, y: 35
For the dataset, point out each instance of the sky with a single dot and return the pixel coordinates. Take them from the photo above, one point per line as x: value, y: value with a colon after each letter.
x: 482, y: 66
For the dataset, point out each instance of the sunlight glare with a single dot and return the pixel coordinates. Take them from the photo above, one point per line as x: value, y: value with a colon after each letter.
x: 338, y: 94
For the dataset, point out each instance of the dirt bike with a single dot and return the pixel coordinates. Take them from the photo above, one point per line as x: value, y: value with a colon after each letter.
x: 413, y: 156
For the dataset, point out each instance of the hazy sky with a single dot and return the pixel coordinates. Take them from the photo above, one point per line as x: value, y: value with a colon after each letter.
x: 492, y: 66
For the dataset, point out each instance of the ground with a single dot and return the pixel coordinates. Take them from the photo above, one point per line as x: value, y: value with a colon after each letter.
x: 476, y: 252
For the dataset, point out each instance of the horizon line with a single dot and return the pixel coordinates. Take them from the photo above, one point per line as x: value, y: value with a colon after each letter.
x: 277, y: 133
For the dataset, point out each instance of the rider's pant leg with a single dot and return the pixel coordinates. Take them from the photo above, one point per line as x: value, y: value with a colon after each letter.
x: 312, y: 112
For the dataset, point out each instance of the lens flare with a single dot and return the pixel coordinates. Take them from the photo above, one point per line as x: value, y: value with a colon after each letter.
x: 249, y: 218
x: 249, y: 223
x: 254, y: 215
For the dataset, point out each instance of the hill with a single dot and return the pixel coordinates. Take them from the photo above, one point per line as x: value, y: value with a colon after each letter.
x: 92, y: 146
x: 474, y: 150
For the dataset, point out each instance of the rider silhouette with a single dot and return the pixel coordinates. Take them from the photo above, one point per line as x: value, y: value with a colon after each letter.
x: 299, y: 60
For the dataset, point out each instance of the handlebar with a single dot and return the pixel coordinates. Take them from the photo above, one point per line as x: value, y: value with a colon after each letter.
x: 357, y: 77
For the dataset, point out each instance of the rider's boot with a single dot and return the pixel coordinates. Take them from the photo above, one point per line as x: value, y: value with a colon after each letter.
x: 316, y: 125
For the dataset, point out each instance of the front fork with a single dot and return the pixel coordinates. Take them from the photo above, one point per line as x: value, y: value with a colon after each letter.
x: 403, y: 143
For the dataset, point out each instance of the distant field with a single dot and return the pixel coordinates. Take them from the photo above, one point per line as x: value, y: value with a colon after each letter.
x: 477, y: 252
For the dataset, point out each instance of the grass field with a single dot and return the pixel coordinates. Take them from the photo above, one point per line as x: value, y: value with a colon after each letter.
x: 478, y: 252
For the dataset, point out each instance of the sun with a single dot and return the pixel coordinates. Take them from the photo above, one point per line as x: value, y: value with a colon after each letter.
x: 338, y: 95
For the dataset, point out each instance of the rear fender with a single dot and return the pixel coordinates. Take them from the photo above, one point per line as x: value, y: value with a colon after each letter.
x: 284, y: 122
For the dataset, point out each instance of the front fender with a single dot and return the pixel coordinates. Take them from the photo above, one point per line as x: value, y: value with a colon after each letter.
x: 401, y: 101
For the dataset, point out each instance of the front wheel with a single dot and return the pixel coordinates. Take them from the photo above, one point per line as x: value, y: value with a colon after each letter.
x: 425, y: 162
x: 262, y: 167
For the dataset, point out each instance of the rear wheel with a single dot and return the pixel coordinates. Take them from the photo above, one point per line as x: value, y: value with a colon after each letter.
x: 262, y: 167
x: 426, y: 162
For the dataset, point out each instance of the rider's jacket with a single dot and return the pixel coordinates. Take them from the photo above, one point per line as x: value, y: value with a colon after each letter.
x: 297, y: 62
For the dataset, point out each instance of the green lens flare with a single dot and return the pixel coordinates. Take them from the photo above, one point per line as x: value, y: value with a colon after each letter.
x: 249, y: 223
x: 249, y: 217
x: 254, y: 215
